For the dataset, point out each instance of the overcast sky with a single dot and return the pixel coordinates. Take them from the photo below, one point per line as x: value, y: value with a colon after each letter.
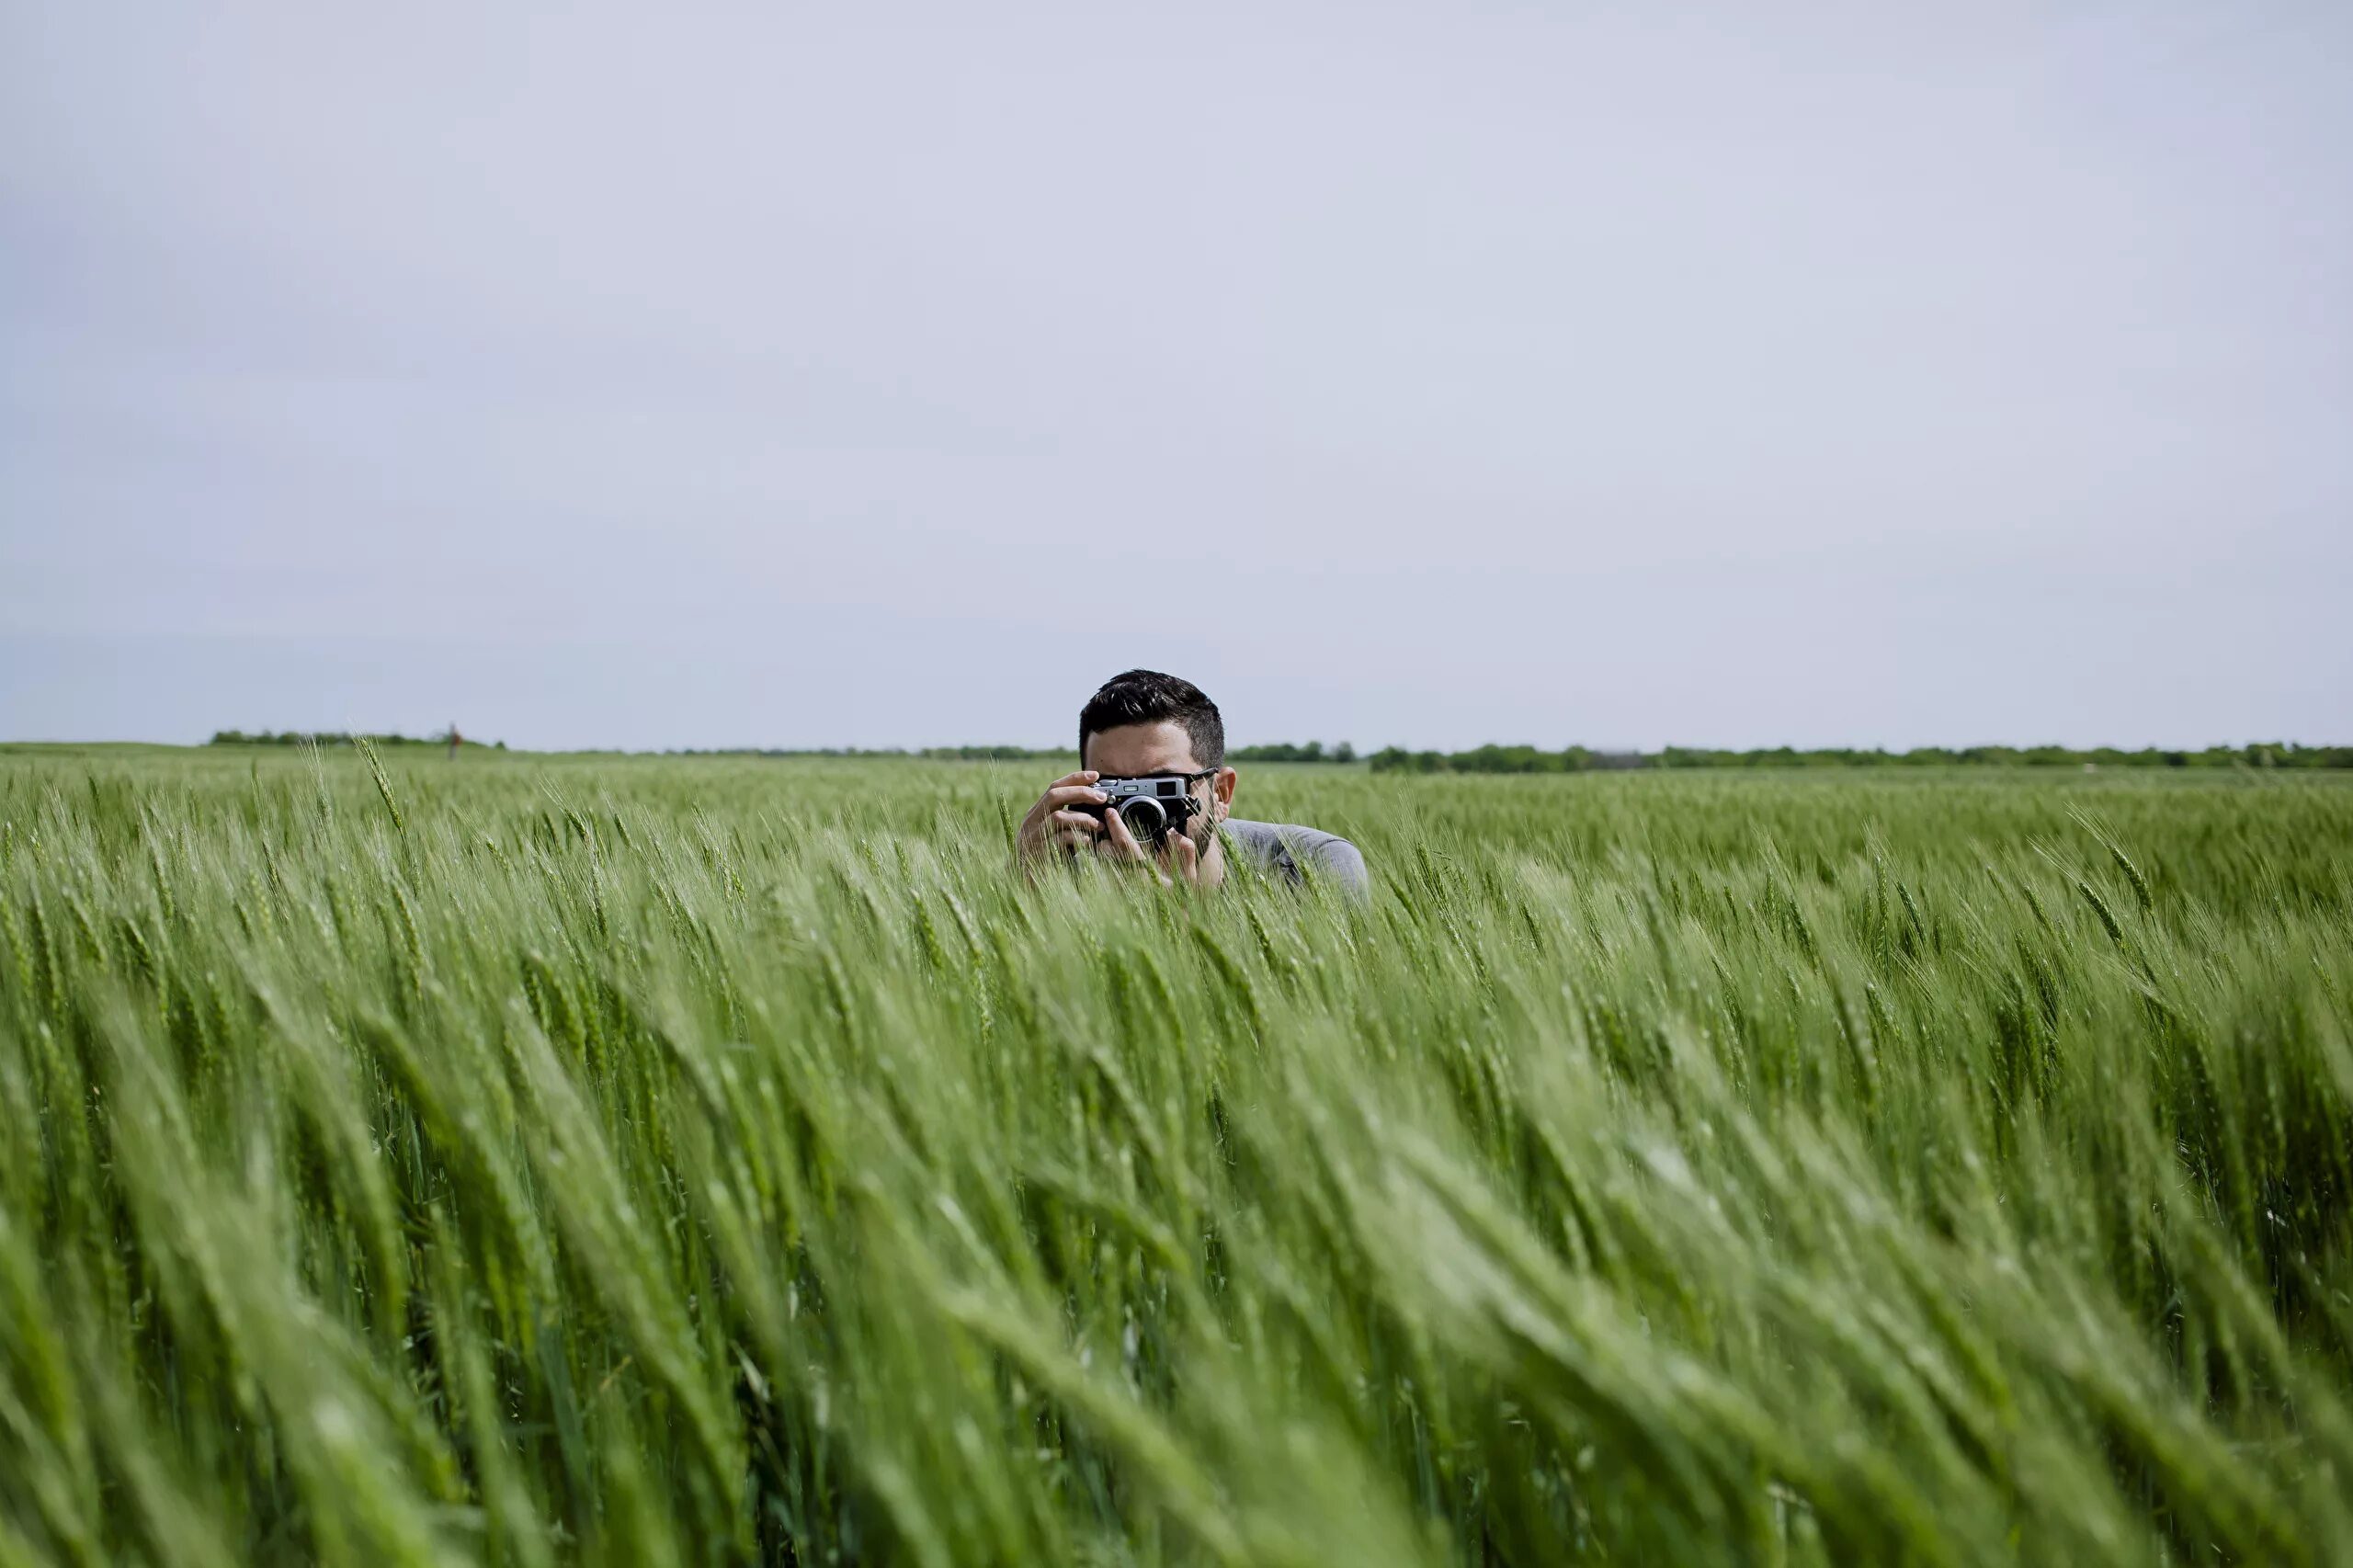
x: 875, y: 374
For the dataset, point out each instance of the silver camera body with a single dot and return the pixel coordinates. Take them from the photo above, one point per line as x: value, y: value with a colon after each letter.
x: 1153, y: 807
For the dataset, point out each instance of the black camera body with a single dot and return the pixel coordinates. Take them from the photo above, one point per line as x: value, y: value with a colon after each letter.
x: 1153, y: 807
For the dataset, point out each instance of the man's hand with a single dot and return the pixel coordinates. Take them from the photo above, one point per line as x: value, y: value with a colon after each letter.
x: 1052, y: 828
x: 1179, y: 860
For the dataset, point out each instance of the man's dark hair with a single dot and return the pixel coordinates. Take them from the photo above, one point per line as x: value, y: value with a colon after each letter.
x: 1147, y: 696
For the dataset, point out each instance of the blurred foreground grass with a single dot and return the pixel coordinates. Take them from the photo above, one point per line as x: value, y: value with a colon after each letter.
x: 657, y: 1161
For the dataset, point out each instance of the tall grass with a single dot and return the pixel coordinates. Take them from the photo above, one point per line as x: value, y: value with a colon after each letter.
x: 678, y: 1162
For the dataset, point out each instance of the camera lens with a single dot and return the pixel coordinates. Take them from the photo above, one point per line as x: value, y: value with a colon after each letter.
x: 1144, y: 819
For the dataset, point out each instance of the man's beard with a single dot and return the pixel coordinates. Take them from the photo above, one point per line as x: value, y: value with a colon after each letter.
x: 1202, y: 829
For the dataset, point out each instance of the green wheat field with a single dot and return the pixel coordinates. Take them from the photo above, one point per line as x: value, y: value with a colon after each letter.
x: 531, y: 1160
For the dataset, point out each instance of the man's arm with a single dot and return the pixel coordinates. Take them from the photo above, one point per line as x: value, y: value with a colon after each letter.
x: 1303, y: 852
x: 1332, y: 859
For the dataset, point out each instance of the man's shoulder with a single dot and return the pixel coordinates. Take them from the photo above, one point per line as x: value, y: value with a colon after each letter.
x: 1292, y: 851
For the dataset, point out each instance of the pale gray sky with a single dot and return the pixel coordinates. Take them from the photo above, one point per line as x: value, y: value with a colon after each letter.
x: 679, y: 375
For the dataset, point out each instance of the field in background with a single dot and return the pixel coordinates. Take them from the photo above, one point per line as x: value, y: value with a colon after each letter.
x: 522, y: 1159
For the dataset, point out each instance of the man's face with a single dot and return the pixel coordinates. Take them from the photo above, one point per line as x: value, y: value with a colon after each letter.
x: 1135, y: 751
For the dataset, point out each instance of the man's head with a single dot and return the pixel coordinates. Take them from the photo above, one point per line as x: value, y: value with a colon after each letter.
x: 1145, y: 723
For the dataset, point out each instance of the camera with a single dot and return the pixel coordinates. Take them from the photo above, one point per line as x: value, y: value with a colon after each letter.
x: 1153, y: 807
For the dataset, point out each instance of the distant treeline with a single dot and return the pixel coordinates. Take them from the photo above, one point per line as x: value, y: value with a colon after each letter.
x: 1492, y: 758
x: 927, y: 754
x: 1313, y: 751
x: 334, y: 738
x: 1283, y: 752
x: 1578, y: 759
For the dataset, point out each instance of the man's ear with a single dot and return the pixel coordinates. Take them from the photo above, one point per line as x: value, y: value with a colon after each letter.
x: 1222, y: 788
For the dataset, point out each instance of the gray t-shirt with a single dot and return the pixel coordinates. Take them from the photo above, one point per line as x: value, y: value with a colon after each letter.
x: 1294, y: 854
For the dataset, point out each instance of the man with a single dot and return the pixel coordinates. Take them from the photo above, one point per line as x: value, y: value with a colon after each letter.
x: 1143, y: 724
